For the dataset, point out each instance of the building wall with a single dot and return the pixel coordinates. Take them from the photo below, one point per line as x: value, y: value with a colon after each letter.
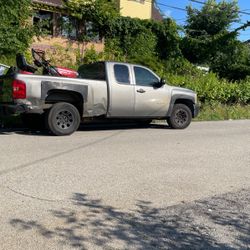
x: 136, y: 8
x: 62, y: 51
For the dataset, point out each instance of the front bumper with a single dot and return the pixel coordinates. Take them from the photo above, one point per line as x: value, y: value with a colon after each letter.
x: 196, y: 110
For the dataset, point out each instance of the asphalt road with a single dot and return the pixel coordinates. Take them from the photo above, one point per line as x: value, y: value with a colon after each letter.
x: 127, y: 187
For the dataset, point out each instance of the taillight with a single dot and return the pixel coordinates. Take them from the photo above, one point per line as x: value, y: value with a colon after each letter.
x: 18, y: 89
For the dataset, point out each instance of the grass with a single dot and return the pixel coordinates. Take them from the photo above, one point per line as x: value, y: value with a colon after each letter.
x: 217, y: 111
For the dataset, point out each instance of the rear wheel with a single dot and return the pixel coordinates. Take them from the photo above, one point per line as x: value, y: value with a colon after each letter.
x: 181, y: 117
x: 63, y: 119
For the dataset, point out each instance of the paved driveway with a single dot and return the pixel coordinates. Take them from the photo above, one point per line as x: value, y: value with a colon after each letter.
x: 125, y: 187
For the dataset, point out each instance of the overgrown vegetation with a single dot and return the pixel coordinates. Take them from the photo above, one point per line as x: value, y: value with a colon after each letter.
x: 206, y: 41
x: 15, y: 27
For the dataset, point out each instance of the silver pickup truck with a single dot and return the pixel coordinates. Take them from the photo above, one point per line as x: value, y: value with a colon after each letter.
x: 103, y: 90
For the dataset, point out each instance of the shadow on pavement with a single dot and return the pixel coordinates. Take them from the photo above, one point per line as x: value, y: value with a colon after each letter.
x: 221, y: 222
x: 23, y: 131
x: 87, y: 127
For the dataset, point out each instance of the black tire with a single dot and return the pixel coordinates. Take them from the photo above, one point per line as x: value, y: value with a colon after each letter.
x: 63, y: 119
x: 181, y: 117
x: 33, y: 121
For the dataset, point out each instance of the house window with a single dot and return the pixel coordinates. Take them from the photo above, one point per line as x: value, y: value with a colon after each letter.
x: 91, y: 32
x: 43, y: 20
x: 68, y: 27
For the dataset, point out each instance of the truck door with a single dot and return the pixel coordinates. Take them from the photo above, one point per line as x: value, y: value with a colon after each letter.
x: 150, y: 101
x: 121, y: 90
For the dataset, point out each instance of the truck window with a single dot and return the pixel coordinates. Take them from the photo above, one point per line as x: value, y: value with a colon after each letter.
x: 144, y: 77
x: 95, y: 71
x: 122, y: 74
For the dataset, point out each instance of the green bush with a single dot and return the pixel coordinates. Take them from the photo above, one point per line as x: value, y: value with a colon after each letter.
x: 217, y: 111
x: 212, y: 89
x: 8, y: 60
x: 15, y: 28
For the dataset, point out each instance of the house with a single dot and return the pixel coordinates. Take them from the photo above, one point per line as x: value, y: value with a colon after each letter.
x: 156, y: 13
x: 143, y: 9
x: 63, y: 25
x: 58, y: 24
x: 62, y: 30
x: 136, y: 8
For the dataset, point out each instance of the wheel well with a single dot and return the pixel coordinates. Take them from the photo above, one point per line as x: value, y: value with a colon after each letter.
x: 186, y: 102
x: 75, y: 98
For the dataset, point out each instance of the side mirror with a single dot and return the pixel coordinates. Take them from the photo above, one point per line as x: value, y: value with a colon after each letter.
x: 160, y: 83
x: 163, y: 81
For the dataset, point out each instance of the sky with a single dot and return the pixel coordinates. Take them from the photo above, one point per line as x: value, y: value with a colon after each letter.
x: 180, y: 15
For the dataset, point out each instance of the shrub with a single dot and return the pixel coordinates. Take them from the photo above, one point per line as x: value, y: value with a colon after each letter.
x: 211, y: 89
x: 15, y: 28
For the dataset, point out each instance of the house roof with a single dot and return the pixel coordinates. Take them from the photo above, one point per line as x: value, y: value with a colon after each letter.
x: 56, y: 3
x: 156, y: 14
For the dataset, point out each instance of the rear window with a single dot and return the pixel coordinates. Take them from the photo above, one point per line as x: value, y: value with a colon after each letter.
x: 121, y: 74
x: 95, y: 71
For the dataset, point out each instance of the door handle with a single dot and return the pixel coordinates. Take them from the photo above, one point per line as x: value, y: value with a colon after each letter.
x: 140, y: 90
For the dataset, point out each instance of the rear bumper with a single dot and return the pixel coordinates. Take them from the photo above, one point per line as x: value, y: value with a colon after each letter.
x: 196, y: 110
x: 11, y: 109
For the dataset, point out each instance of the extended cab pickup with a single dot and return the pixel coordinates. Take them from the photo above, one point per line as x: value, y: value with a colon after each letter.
x: 103, y: 90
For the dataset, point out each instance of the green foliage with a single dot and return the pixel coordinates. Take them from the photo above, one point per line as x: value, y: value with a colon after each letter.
x: 168, y: 39
x: 207, y: 30
x: 91, y: 56
x: 8, y: 60
x: 212, y: 19
x: 217, y: 111
x: 99, y: 12
x: 15, y: 28
x: 212, y: 89
x: 160, y: 38
x: 113, y: 51
x: 233, y: 63
x: 208, y: 40
x: 140, y: 46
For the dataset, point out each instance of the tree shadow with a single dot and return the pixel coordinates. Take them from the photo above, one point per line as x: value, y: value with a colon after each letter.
x: 89, y: 224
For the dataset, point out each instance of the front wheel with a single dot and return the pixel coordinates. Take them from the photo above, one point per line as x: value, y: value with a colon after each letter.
x: 63, y: 119
x: 181, y: 117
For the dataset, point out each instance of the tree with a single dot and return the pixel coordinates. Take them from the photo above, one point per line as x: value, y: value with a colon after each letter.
x: 207, y: 29
x: 97, y: 13
x: 100, y: 12
x: 15, y: 26
x: 233, y: 62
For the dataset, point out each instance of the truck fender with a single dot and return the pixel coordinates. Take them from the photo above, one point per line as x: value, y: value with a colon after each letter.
x: 181, y: 98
